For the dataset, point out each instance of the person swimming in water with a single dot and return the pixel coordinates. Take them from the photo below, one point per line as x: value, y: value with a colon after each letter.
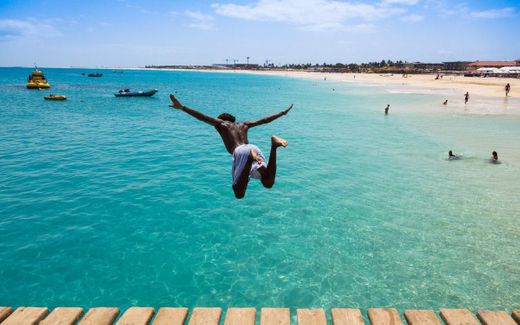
x: 451, y: 156
x: 494, y: 156
x: 248, y: 159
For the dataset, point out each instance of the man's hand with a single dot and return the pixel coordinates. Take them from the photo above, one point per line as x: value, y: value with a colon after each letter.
x: 175, y: 103
x: 256, y: 157
x: 287, y: 110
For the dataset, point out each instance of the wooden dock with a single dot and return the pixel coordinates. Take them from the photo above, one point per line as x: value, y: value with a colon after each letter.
x: 248, y: 316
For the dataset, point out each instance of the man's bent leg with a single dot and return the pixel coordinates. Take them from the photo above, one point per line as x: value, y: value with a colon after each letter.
x: 240, y: 186
x: 269, y: 173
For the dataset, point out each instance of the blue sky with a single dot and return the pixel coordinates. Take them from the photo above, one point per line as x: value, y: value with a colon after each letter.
x: 136, y: 33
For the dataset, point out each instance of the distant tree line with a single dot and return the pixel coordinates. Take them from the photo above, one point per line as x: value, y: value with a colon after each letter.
x: 383, y: 66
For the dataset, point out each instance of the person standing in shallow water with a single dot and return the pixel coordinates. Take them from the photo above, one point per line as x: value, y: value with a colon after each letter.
x: 387, y: 108
x: 508, y: 88
x: 494, y: 156
x: 248, y: 159
x: 466, y: 97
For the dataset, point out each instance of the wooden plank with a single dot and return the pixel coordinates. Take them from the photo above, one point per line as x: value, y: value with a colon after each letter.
x: 205, y: 316
x: 240, y: 316
x: 346, y: 316
x: 311, y: 317
x: 136, y: 316
x: 275, y: 316
x: 171, y: 316
x: 100, y: 316
x: 458, y: 317
x: 516, y: 315
x: 490, y: 317
x: 63, y: 316
x: 384, y: 316
x: 421, y: 317
x: 26, y: 316
x: 4, y: 312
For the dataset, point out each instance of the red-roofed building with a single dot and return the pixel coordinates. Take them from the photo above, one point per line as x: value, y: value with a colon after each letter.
x: 493, y: 64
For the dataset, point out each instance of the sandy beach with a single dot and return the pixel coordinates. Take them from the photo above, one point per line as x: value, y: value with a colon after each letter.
x: 487, y: 95
x: 488, y: 87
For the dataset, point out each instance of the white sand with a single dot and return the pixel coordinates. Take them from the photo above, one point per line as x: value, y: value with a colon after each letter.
x: 487, y: 95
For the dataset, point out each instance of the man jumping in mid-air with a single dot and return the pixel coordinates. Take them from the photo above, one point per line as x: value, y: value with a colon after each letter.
x: 248, y: 160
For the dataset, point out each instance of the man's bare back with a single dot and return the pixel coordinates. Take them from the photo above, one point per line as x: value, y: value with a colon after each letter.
x: 232, y: 133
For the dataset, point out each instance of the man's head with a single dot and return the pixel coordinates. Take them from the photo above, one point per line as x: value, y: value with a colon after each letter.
x: 227, y: 117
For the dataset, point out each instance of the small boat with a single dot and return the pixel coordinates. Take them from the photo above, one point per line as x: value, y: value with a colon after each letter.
x: 97, y: 74
x: 37, y: 80
x: 140, y: 93
x: 55, y: 97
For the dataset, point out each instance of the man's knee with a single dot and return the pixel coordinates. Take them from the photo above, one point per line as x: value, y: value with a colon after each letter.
x: 239, y: 194
x: 268, y: 184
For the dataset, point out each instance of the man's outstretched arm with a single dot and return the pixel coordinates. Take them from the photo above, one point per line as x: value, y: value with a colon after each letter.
x: 268, y: 119
x: 198, y: 115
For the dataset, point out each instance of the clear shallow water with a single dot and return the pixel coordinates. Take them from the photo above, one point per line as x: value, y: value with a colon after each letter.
x: 122, y: 201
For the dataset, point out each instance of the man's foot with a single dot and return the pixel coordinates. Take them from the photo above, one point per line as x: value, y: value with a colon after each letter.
x: 277, y: 141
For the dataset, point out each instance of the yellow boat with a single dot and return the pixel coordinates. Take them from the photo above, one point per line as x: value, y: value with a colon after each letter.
x: 55, y: 97
x: 37, y: 80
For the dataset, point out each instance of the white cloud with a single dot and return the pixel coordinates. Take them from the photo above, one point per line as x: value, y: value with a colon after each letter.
x: 494, y: 13
x: 403, y: 2
x: 201, y: 21
x: 316, y: 15
x: 413, y: 18
x: 30, y: 27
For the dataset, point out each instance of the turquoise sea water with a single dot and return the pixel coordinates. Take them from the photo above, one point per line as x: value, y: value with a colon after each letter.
x: 110, y: 201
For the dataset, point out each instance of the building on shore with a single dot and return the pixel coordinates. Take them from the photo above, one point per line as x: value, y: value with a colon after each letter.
x: 467, y: 65
x: 455, y: 65
x: 493, y: 64
x: 428, y: 67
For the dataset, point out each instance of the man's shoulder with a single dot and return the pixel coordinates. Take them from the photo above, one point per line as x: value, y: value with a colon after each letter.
x: 231, y: 125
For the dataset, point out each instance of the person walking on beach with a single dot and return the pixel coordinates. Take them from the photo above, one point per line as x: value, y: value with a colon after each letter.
x: 445, y: 102
x: 248, y: 159
x: 387, y: 108
x: 508, y: 88
x: 466, y: 97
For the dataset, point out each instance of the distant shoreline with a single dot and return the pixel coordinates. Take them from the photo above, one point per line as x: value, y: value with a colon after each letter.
x: 487, y: 95
x: 416, y: 83
x: 487, y: 87
x: 451, y: 87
